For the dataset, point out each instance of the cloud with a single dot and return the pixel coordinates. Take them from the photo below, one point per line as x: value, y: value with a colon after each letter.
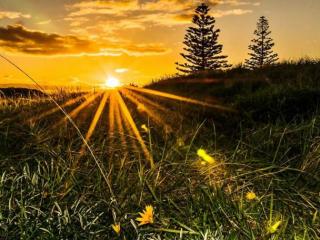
x: 186, y: 18
x: 121, y: 70
x: 236, y: 12
x: 13, y: 15
x: 16, y: 38
x: 84, y: 8
x: 20, y: 39
x: 239, y: 3
x: 45, y: 22
x: 140, y: 14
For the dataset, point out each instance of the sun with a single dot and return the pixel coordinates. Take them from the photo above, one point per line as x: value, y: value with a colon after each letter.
x: 112, y: 82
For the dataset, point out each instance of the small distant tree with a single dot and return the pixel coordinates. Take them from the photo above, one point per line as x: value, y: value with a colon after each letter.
x: 261, y: 47
x: 201, y: 41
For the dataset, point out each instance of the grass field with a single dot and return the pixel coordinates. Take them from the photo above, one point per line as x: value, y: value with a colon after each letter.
x: 259, y: 177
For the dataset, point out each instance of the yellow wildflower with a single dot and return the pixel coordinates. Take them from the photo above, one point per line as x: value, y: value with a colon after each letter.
x: 146, y: 216
x: 144, y: 128
x: 116, y: 227
x: 251, y: 195
x: 274, y: 227
x: 206, y: 157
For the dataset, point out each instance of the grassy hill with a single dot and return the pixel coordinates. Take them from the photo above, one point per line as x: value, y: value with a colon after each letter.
x: 287, y: 90
x: 256, y: 176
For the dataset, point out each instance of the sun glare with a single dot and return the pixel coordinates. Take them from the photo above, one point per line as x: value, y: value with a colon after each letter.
x: 112, y: 82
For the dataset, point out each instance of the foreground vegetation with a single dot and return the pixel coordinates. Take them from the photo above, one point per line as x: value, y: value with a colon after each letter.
x: 258, y: 178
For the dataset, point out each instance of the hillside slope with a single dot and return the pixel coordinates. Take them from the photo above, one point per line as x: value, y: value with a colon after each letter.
x: 283, y: 91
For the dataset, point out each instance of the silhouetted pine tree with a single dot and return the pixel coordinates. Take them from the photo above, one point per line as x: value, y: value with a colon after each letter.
x: 202, y: 48
x: 261, y: 47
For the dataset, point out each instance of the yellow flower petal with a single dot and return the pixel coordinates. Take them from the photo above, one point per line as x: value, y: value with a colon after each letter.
x: 144, y: 128
x: 206, y: 157
x: 116, y: 227
x: 146, y: 216
x: 251, y: 195
x: 274, y: 227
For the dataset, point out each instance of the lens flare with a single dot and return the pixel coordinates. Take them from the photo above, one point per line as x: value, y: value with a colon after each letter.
x: 112, y: 82
x: 121, y: 105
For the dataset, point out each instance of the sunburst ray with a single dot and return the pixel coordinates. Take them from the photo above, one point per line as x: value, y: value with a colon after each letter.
x: 120, y: 127
x: 133, y: 126
x: 179, y: 98
x: 146, y: 100
x: 56, y: 109
x: 152, y: 114
x: 129, y: 130
x: 95, y: 119
x: 77, y: 110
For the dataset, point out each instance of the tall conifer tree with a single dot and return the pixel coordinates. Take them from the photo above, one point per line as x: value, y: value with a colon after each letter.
x: 261, y: 48
x: 201, y: 44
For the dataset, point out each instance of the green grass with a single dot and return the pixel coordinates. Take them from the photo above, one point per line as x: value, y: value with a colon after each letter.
x: 271, y: 146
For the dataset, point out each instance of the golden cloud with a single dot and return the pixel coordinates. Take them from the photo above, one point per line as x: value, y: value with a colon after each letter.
x: 139, y: 13
x: 236, y: 12
x: 13, y: 15
x: 16, y: 38
x: 110, y: 17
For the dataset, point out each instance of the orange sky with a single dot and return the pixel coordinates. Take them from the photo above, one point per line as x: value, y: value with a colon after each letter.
x: 77, y: 42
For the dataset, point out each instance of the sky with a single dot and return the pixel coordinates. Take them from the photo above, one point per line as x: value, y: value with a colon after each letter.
x: 83, y: 42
